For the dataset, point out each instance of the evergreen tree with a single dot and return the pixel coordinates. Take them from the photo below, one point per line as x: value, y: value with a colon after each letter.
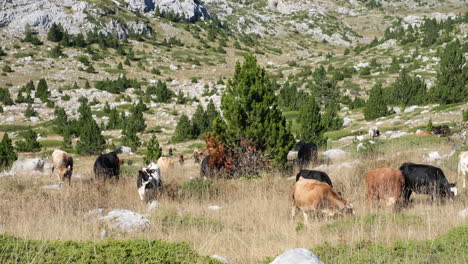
x: 394, y: 65
x: 153, y: 150
x: 42, y: 91
x: 56, y: 51
x: 409, y: 90
x: 115, y: 120
x: 129, y: 133
x: 429, y: 126
x: 60, y: 121
x: 199, y: 121
x: 30, y: 111
x: 183, y: 131
x: 106, y: 108
x: 211, y: 114
x: 29, y: 142
x: 375, y: 106
x: 79, y: 40
x: 452, y: 77
x: 5, y: 97
x: 136, y: 117
x: 55, y: 33
x: 91, y: 141
x: 251, y: 112
x: 330, y: 119
x: 67, y: 141
x: 7, y: 153
x: 311, y: 127
x: 323, y: 88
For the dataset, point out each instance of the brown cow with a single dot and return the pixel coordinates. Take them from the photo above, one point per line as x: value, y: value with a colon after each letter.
x: 318, y: 197
x: 385, y: 184
x: 424, y: 133
x: 63, y: 162
x: 165, y: 163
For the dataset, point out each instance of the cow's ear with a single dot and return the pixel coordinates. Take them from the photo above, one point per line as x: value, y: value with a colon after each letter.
x: 453, y: 184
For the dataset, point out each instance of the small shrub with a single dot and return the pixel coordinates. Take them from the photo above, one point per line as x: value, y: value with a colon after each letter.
x: 200, y: 188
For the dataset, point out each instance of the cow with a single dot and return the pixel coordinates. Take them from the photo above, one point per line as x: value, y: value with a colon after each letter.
x: 149, y: 181
x: 320, y: 198
x: 424, y: 133
x: 28, y: 165
x: 385, y: 184
x: 463, y: 166
x: 426, y: 179
x: 302, y: 154
x: 442, y: 130
x: 181, y: 159
x: 314, y: 175
x: 196, y: 156
x: 205, y: 170
x: 165, y: 163
x: 107, y: 166
x: 63, y: 162
x: 373, y: 132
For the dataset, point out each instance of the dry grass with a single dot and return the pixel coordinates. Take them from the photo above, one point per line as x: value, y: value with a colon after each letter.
x: 254, y: 221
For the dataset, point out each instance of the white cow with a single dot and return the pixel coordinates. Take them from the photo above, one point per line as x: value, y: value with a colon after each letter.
x: 463, y: 166
x: 374, y: 132
x: 148, y: 181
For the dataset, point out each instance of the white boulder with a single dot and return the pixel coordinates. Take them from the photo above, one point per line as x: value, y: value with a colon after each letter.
x: 297, y: 256
x: 125, y: 221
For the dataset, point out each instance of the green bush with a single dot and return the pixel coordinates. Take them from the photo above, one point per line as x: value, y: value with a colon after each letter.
x: 199, y: 188
x: 17, y: 250
x: 29, y: 142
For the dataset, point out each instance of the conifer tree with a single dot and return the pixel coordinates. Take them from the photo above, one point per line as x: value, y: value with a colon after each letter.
x: 211, y: 114
x: 184, y: 130
x: 42, y: 91
x: 29, y: 142
x: 60, y: 121
x: 375, y: 106
x: 330, y: 119
x: 311, y: 127
x: 5, y: 97
x: 153, y: 150
x: 7, y: 153
x: 129, y: 133
x: 429, y: 126
x: 452, y: 77
x: 199, y: 121
x: 409, y: 90
x: 251, y: 112
x: 115, y: 120
x: 91, y: 141
x: 55, y: 33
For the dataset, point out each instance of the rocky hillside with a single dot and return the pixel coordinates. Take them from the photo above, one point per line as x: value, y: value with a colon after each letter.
x: 192, y: 46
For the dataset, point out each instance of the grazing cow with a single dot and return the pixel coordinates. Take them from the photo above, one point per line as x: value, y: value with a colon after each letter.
x: 314, y: 175
x: 463, y: 166
x: 107, y: 166
x: 63, y: 162
x: 149, y: 181
x: 385, y: 184
x: 196, y: 156
x: 165, y: 163
x: 426, y: 179
x: 443, y: 130
x: 424, y: 133
x: 303, y: 153
x: 181, y: 159
x: 28, y: 165
x: 318, y: 197
x: 374, y: 132
x: 205, y: 170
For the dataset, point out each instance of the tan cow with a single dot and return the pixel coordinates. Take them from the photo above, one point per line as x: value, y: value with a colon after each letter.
x: 463, y: 166
x: 63, y: 162
x: 385, y: 184
x: 318, y: 197
x: 424, y: 133
x: 165, y: 163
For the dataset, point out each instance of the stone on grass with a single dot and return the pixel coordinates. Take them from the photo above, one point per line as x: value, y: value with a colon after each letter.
x: 125, y: 221
x: 297, y: 256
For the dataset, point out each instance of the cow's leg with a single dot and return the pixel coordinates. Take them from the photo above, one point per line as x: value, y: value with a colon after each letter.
x: 293, y: 212
x: 306, y: 220
x: 406, y: 196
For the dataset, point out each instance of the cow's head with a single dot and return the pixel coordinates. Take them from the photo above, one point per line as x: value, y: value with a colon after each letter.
x: 66, y: 172
x: 348, y: 209
x: 453, y: 189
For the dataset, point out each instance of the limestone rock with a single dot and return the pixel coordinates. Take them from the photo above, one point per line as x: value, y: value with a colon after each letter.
x: 297, y: 256
x: 125, y: 221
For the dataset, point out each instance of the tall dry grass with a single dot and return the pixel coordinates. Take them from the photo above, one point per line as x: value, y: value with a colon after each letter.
x: 254, y: 219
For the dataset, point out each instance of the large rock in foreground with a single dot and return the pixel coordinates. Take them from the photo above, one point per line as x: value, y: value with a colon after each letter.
x: 297, y: 256
x: 125, y: 221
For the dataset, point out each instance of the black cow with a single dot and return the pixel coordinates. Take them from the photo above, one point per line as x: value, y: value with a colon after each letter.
x: 205, y: 170
x: 314, y: 175
x: 426, y: 179
x: 107, y: 166
x: 443, y: 130
x: 305, y: 153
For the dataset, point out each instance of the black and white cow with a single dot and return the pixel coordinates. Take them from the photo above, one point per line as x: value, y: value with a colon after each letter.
x: 314, y: 175
x: 107, y: 166
x: 149, y: 181
x: 426, y: 179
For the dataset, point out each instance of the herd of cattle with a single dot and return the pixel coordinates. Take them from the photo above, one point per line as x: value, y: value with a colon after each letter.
x: 313, y: 190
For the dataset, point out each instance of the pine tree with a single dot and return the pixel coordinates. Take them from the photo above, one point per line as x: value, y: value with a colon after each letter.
x: 409, y: 90
x: 136, y: 117
x: 251, y: 112
x: 115, y: 121
x: 375, y: 106
x: 211, y: 114
x: 42, y: 91
x: 429, y: 126
x: 91, y: 141
x: 29, y: 142
x: 183, y: 131
x: 56, y: 51
x: 55, y: 33
x: 60, y: 121
x: 323, y: 88
x: 311, y: 127
x: 153, y: 150
x: 5, y: 97
x: 330, y: 119
x: 129, y: 133
x: 7, y: 153
x: 199, y: 121
x: 30, y: 111
x: 452, y: 77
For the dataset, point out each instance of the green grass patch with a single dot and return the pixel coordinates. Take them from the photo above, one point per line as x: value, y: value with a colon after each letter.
x: 446, y: 107
x: 337, y: 134
x: 17, y: 250
x: 200, y: 188
x: 50, y: 143
x: 114, y: 71
x: 412, y: 141
x: 124, y: 106
x: 369, y: 221
x: 13, y: 128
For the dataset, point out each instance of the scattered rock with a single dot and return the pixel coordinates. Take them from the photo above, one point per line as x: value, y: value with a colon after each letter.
x: 433, y: 156
x: 93, y: 213
x: 125, y: 221
x: 335, y: 154
x: 51, y: 187
x: 28, y: 165
x: 297, y: 256
x: 153, y: 205
x: 220, y: 258
x: 215, y: 207
x: 463, y: 213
